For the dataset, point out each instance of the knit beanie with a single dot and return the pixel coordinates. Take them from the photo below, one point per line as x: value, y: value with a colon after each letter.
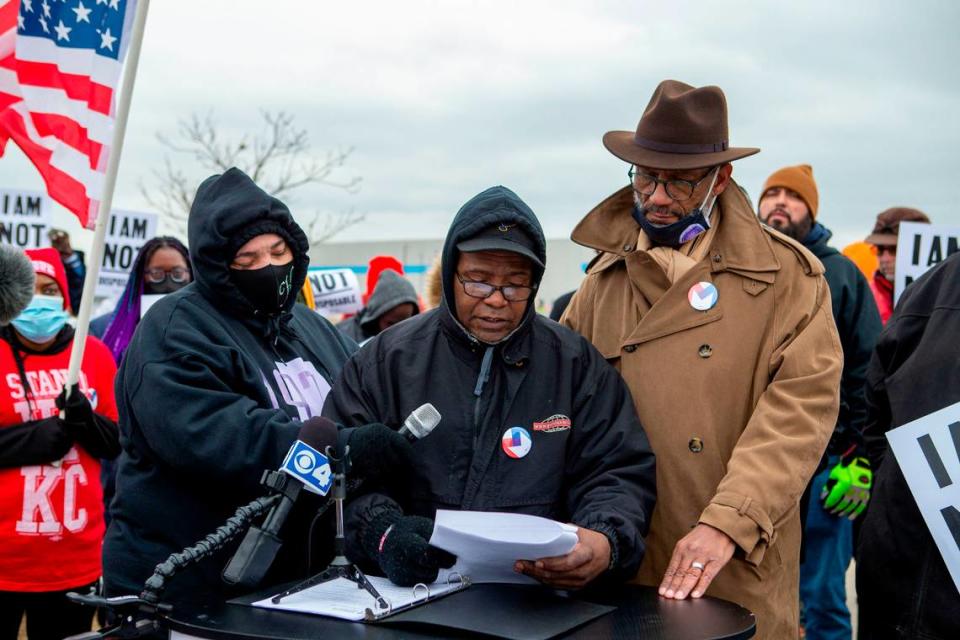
x: 797, y: 178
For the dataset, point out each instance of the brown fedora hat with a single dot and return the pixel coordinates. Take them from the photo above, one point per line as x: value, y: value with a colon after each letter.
x: 682, y: 128
x: 887, y: 228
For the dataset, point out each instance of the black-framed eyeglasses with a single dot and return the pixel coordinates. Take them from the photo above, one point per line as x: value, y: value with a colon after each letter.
x: 482, y: 290
x: 677, y: 189
x: 177, y: 274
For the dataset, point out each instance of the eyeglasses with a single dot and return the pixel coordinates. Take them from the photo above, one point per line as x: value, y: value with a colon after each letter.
x: 677, y: 189
x: 482, y: 290
x: 177, y: 274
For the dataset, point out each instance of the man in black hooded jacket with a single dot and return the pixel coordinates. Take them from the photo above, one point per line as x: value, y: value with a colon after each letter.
x: 534, y: 420
x: 215, y: 387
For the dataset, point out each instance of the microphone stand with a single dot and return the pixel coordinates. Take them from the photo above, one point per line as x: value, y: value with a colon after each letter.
x: 340, y: 566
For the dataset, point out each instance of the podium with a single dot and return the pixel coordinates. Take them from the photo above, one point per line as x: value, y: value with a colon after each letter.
x: 639, y: 613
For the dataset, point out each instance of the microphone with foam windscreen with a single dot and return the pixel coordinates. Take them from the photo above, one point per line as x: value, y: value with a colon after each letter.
x: 16, y: 283
x: 305, y: 466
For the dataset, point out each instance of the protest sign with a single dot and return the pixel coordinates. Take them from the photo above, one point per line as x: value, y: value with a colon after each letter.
x: 25, y: 218
x: 928, y: 452
x: 126, y: 233
x: 919, y: 247
x: 335, y: 291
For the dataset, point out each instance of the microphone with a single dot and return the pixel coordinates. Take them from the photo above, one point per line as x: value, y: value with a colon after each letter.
x: 16, y: 283
x: 303, y: 467
x: 420, y: 423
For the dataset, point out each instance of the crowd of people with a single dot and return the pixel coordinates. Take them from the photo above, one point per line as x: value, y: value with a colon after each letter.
x: 708, y: 407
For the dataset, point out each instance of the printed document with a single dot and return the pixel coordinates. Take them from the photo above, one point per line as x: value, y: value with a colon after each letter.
x: 342, y: 598
x: 487, y: 543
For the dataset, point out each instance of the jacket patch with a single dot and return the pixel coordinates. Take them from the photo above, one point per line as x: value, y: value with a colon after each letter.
x: 556, y: 422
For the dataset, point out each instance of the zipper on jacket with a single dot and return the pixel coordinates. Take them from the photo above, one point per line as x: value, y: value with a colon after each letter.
x: 478, y: 392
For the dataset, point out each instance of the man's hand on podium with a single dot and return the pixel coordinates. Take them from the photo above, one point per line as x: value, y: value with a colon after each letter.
x: 587, y: 560
x: 697, y: 559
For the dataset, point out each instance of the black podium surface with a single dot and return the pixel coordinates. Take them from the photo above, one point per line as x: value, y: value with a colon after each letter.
x: 640, y: 613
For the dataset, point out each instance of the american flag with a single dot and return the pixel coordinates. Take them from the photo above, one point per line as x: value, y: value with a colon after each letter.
x: 60, y: 64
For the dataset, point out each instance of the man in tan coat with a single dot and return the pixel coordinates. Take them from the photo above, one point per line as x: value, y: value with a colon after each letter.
x: 722, y: 329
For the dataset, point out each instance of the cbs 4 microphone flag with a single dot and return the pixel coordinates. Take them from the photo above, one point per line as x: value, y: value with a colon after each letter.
x: 60, y: 64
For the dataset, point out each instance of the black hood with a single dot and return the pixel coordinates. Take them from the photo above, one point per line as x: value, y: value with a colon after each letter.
x: 492, y: 206
x: 228, y: 210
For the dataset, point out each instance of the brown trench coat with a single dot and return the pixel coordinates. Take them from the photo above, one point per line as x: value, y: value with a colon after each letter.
x: 738, y: 401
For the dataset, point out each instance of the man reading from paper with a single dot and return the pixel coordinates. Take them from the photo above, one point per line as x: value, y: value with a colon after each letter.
x: 534, y: 420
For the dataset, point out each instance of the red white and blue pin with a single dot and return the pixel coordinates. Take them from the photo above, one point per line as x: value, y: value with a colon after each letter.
x: 516, y: 442
x: 703, y: 296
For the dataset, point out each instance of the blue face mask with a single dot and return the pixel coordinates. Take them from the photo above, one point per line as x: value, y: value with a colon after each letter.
x: 42, y: 320
x: 683, y: 230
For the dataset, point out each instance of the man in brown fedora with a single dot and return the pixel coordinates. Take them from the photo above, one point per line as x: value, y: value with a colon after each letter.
x: 722, y: 329
x: 884, y: 238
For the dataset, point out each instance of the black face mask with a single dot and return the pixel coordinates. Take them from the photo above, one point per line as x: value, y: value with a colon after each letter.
x: 167, y: 286
x: 267, y: 288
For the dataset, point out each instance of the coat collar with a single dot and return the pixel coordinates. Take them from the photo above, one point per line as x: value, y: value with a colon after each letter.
x: 740, y: 245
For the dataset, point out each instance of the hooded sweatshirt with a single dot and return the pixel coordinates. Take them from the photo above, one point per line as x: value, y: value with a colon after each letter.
x: 391, y: 291
x: 212, y: 392
x: 51, y: 503
x: 583, y: 456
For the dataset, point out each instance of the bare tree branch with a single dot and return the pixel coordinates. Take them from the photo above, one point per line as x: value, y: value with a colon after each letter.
x: 278, y: 158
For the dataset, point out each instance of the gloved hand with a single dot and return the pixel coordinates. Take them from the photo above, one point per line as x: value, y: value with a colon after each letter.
x: 95, y: 433
x: 376, y: 450
x: 35, y: 442
x: 847, y: 490
x: 399, y: 545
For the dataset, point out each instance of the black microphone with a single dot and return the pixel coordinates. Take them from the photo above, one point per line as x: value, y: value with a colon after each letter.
x: 304, y: 466
x: 16, y: 283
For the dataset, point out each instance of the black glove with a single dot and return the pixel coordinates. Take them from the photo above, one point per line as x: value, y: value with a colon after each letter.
x: 95, y: 433
x: 399, y: 545
x: 376, y: 450
x: 34, y: 442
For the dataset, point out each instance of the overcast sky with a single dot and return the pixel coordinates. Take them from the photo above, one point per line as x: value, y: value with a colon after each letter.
x: 443, y: 99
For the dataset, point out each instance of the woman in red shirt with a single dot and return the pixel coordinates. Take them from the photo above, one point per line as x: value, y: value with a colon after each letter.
x: 51, y: 510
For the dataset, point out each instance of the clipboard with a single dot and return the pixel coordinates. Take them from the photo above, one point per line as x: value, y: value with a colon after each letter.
x: 348, y: 601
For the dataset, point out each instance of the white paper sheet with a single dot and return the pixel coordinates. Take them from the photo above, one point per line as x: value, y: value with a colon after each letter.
x: 488, y: 543
x: 341, y: 598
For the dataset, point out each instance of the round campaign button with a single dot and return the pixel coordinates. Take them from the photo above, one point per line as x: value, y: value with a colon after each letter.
x: 703, y: 296
x: 516, y: 442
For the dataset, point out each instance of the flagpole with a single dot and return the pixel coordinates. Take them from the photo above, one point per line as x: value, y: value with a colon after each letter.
x: 106, y: 202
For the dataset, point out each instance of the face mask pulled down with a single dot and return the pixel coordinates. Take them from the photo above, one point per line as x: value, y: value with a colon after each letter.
x: 42, y: 319
x: 683, y: 230
x: 267, y: 288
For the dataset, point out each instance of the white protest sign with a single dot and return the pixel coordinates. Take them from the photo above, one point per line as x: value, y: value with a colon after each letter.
x: 335, y: 290
x: 919, y: 247
x: 25, y: 217
x: 928, y: 451
x: 126, y: 233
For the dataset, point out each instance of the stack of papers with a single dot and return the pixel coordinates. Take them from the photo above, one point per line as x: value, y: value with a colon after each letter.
x: 488, y: 543
x: 342, y: 598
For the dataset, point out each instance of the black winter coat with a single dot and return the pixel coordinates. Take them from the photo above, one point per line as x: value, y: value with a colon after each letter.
x: 858, y: 323
x: 589, y: 463
x: 903, y: 585
x: 210, y: 394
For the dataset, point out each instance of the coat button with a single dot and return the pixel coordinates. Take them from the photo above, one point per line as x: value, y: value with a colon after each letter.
x: 696, y: 445
x: 705, y: 351
x: 628, y: 248
x: 717, y: 258
x: 630, y: 348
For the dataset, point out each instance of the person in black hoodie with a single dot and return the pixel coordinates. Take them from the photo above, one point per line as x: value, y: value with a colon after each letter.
x: 215, y: 387
x: 788, y: 203
x: 393, y: 300
x: 903, y: 585
x: 534, y: 420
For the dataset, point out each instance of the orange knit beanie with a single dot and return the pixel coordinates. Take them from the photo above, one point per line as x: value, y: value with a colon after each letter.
x: 797, y: 178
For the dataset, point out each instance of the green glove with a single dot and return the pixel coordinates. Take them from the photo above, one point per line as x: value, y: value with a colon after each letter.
x: 847, y: 490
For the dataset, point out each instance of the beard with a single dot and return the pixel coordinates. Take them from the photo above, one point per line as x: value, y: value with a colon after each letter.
x: 796, y: 230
